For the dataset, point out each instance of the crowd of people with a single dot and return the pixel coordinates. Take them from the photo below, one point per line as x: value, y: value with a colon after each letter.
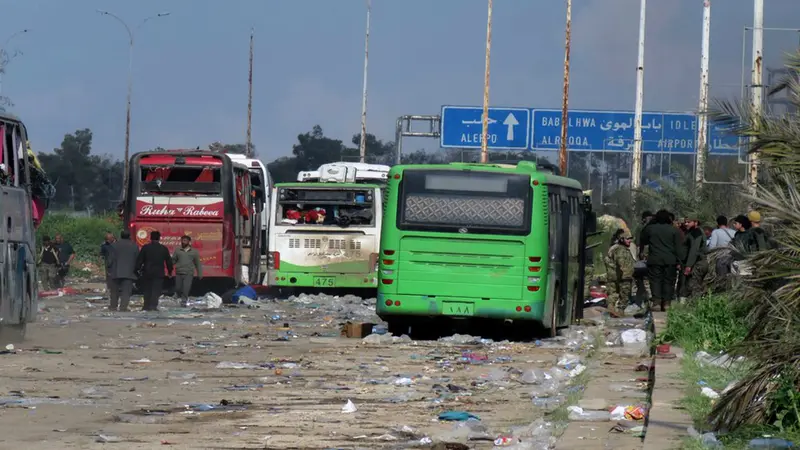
x: 671, y: 259
x: 126, y: 264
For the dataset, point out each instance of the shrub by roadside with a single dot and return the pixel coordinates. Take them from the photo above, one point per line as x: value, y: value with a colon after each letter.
x: 714, y: 324
x: 86, y: 234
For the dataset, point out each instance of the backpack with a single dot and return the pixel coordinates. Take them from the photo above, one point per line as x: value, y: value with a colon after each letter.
x: 753, y: 241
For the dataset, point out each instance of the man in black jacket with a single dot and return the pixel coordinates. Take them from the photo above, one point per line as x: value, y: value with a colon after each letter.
x: 693, y: 265
x: 151, y: 262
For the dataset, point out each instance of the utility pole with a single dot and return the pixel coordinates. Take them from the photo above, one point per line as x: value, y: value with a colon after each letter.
x: 562, y: 153
x: 5, y: 57
x: 756, y: 87
x: 702, y: 110
x: 362, y: 148
x: 249, y: 148
x: 485, y: 126
x: 130, y: 89
x: 636, y: 170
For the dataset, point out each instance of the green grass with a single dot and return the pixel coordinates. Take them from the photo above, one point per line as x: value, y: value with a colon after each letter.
x: 86, y: 234
x: 711, y: 323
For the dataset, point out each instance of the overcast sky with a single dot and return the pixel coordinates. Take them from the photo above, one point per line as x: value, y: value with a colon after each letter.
x: 190, y: 68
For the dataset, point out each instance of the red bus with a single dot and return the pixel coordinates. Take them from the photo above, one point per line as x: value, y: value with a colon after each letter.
x: 204, y: 195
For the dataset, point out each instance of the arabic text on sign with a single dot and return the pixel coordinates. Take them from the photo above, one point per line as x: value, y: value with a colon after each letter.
x: 572, y: 141
x: 477, y: 138
x: 572, y: 122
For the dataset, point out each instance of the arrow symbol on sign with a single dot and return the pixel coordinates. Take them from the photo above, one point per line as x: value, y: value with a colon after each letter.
x: 510, y: 123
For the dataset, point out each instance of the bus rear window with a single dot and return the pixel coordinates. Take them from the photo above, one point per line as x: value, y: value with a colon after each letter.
x: 180, y: 179
x: 325, y: 207
x: 451, y: 201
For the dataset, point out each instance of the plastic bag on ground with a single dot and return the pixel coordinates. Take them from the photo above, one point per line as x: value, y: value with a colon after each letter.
x: 569, y: 360
x: 578, y: 414
x: 533, y: 376
x: 212, y: 300
x: 349, y: 407
x: 633, y: 337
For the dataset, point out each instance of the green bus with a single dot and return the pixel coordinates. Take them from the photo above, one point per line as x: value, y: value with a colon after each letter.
x: 482, y: 241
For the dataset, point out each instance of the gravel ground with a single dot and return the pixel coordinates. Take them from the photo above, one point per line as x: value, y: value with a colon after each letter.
x: 273, y: 376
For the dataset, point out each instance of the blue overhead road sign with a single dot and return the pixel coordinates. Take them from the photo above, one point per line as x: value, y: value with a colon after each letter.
x: 612, y: 131
x: 462, y: 127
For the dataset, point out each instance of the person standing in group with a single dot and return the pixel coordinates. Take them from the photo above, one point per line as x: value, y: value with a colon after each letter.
x: 642, y: 284
x: 741, y: 238
x: 187, y: 260
x: 663, y: 240
x: 152, y: 260
x: 721, y: 236
x: 124, y: 257
x: 759, y: 239
x: 693, y: 266
x: 48, y: 263
x: 105, y: 253
x: 619, y: 268
x: 66, y: 255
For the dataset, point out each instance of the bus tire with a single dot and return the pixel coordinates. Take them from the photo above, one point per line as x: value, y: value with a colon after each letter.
x: 398, y: 327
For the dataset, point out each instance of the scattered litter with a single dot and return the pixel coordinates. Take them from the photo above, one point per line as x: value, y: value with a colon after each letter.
x: 349, y: 407
x: 710, y: 393
x: 457, y: 416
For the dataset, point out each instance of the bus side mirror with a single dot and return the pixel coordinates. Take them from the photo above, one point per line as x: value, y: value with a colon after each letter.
x: 258, y: 192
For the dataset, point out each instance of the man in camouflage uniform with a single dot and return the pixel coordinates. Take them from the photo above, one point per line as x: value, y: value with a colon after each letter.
x: 619, y: 272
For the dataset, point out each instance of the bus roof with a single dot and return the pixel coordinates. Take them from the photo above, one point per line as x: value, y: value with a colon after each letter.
x: 523, y: 167
x: 313, y: 184
x: 345, y: 172
x: 9, y: 117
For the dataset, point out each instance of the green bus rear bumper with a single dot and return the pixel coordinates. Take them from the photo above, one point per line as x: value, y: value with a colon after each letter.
x: 279, y: 278
x: 457, y: 307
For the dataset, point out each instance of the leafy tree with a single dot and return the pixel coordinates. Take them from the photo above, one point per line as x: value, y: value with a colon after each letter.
x: 283, y: 169
x: 231, y: 148
x: 5, y: 59
x: 377, y: 151
x: 314, y: 149
x: 767, y: 395
x: 83, y: 182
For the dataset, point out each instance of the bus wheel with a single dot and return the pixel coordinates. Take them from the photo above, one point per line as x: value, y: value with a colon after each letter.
x: 398, y: 327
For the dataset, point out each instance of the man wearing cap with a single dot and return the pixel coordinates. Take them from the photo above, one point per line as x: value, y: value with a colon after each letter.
x: 619, y: 267
x: 693, y: 268
x: 187, y: 261
x: 759, y: 239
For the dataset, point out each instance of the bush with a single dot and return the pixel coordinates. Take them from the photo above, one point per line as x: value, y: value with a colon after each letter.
x: 712, y: 323
x: 86, y: 234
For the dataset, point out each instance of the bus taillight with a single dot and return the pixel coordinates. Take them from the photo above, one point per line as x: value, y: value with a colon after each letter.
x: 274, y: 261
x: 527, y: 308
x: 386, y: 281
x: 373, y: 261
x: 533, y: 288
x: 535, y: 259
x: 388, y: 252
x: 534, y: 269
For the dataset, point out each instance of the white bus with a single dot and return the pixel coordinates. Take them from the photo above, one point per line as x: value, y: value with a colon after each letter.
x: 325, y: 229
x: 259, y: 179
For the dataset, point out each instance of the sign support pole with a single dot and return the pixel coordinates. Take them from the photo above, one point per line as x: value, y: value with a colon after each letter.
x: 562, y: 153
x: 636, y: 170
x: 702, y: 110
x: 485, y: 118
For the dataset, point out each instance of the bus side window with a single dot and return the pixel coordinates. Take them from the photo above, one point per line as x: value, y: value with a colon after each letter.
x: 555, y: 225
x: 574, y: 227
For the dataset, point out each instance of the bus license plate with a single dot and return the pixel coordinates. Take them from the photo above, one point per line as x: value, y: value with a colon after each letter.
x: 458, y: 309
x: 324, y: 281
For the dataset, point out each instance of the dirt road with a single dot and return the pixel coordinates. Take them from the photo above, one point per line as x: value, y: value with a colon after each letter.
x: 276, y: 376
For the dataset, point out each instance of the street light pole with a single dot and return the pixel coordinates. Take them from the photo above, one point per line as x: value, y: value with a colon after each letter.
x: 362, y: 147
x: 636, y: 169
x: 756, y: 101
x: 485, y: 118
x: 130, y: 87
x: 562, y: 152
x: 5, y: 57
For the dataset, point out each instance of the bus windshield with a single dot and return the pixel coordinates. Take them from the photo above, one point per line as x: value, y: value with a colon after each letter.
x: 194, y: 180
x: 464, y: 201
x: 306, y: 206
